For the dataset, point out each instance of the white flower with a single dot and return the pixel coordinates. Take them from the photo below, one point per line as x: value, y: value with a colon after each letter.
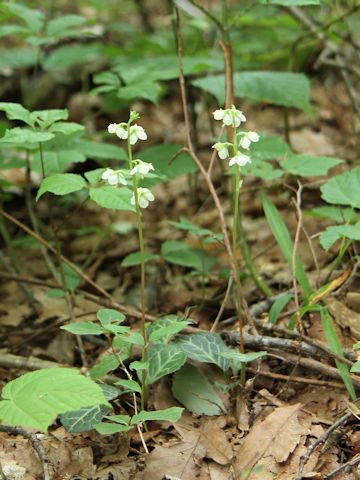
x: 247, y: 139
x: 141, y: 168
x: 230, y: 116
x: 222, y: 150
x: 239, y: 159
x: 119, y: 129
x: 113, y: 177
x: 137, y: 133
x: 144, y: 197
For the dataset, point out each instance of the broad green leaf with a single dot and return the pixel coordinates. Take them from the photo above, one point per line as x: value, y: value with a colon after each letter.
x: 83, y: 328
x: 343, y: 189
x: 163, y: 360
x: 64, y: 25
x: 72, y: 279
x: 109, y: 315
x: 339, y: 215
x: 111, y: 428
x: 36, y: 398
x: 191, y: 388
x: 101, y: 150
x: 135, y: 338
x: 55, y: 161
x: 15, y: 111
x: 66, y: 128
x: 21, y: 57
x: 185, y: 224
x: 280, y: 88
x: 278, y: 306
x: 110, y: 392
x: 183, y: 254
x: 67, y: 56
x: 61, y: 184
x: 34, y: 19
x: 148, y: 90
x: 84, y: 419
x: 335, y: 345
x: 11, y: 30
x: 112, y: 197
x: 107, y: 364
x: 334, y: 233
x: 282, y: 236
x: 165, y: 328
x: 129, y: 385
x: 356, y: 367
x: 47, y: 117
x: 172, y: 414
x: 204, y: 347
x: 135, y: 259
x: 270, y: 147
x: 25, y: 135
x: 309, y: 165
x: 237, y: 359
x: 165, y: 163
x: 122, y: 419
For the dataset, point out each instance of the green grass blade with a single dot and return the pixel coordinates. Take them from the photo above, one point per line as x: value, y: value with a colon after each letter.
x: 334, y: 344
x: 283, y: 238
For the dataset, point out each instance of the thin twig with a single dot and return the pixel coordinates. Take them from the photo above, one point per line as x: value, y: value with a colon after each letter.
x: 294, y: 255
x: 222, y: 307
x: 344, y: 468
x: 305, y: 458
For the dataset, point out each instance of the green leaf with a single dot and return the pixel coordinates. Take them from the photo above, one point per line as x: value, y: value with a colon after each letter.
x: 107, y: 364
x: 107, y: 316
x: 180, y: 253
x: 61, y: 184
x: 204, y: 347
x: 279, y: 88
x: 66, y: 128
x: 282, y: 236
x: 71, y: 278
x: 33, y: 19
x: 55, y: 161
x: 334, y: 233
x: 191, y: 388
x: 47, y: 117
x: 26, y: 136
x: 101, y: 150
x: 110, y: 392
x: 278, y: 306
x: 172, y: 414
x: 15, y: 111
x: 290, y: 3
x: 165, y: 328
x: 356, y: 367
x: 83, y: 328
x: 36, y: 398
x: 129, y: 385
x: 84, y: 419
x: 188, y: 226
x: 67, y: 56
x: 309, y: 165
x: 122, y: 419
x: 334, y: 344
x: 112, y: 197
x: 343, y: 189
x: 135, y: 338
x: 237, y: 359
x: 339, y: 215
x: 144, y: 89
x: 163, y: 360
x: 64, y: 25
x: 135, y: 259
x: 111, y: 428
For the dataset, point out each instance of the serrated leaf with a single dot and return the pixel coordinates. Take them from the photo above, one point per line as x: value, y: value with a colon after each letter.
x: 309, y: 165
x: 25, y: 136
x: 191, y: 388
x: 84, y: 419
x: 61, y: 184
x: 135, y: 259
x: 204, y: 347
x: 172, y: 414
x: 280, y: 88
x: 36, y: 398
x: 163, y: 360
x: 112, y: 197
x: 343, y: 189
x: 334, y: 233
x: 83, y: 328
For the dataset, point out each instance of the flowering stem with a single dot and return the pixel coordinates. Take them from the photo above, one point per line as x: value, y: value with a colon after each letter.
x: 144, y: 386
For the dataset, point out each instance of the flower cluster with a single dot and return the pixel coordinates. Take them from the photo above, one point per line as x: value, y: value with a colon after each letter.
x: 138, y: 168
x: 231, y: 117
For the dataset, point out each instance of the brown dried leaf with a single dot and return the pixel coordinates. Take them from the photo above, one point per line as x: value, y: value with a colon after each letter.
x: 213, y: 438
x: 344, y: 316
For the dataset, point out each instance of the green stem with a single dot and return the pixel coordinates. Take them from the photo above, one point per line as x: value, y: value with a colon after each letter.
x: 144, y: 385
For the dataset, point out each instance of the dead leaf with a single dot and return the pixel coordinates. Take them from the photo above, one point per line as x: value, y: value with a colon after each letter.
x: 214, y: 439
x: 344, y: 316
x: 277, y: 436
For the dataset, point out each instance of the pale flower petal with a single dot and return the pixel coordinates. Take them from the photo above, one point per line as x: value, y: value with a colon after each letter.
x: 219, y: 114
x: 112, y: 127
x: 239, y: 159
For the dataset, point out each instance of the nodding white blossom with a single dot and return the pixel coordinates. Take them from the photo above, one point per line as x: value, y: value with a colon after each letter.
x: 247, y: 139
x: 222, y: 149
x: 230, y: 116
x: 113, y: 177
x: 144, y: 197
x: 119, y: 129
x: 137, y: 133
x: 239, y: 159
x: 141, y: 168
